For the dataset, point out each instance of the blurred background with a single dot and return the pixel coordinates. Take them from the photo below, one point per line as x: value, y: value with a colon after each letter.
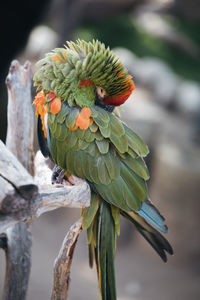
x: 159, y: 42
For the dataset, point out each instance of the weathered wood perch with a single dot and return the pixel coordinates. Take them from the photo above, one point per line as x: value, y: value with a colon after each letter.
x: 21, y: 199
x: 19, y: 141
x: 63, y: 262
x: 24, y: 198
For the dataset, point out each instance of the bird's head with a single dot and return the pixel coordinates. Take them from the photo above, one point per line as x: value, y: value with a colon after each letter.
x: 84, y: 74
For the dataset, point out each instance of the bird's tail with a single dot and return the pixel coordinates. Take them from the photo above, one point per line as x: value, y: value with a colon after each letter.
x: 101, y: 231
x: 102, y: 222
x: 155, y: 239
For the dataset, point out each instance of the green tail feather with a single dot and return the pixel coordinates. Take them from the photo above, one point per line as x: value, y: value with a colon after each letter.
x: 102, y: 248
x: 105, y: 247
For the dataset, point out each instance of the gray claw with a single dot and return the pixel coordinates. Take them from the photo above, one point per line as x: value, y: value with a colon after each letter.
x: 57, y: 175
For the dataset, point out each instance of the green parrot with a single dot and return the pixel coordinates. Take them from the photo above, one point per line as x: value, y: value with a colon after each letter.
x: 78, y: 128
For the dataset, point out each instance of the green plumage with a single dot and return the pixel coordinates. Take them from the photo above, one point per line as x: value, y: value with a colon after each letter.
x: 100, y: 162
x: 106, y: 153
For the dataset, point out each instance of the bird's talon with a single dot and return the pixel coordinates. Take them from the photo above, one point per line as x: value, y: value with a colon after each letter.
x: 60, y: 177
x: 57, y: 175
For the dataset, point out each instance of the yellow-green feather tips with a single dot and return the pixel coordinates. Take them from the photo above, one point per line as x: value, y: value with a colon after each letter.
x: 62, y: 69
x: 101, y: 65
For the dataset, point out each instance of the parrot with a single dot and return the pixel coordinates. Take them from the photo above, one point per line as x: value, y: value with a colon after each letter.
x: 79, y: 88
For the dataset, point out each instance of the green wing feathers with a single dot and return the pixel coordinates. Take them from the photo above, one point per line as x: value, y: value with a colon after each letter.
x: 105, y: 154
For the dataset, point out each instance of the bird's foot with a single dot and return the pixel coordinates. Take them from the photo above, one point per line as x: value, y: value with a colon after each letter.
x: 57, y: 175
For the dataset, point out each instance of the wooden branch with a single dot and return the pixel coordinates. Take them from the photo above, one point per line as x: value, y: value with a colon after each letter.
x: 22, y: 200
x: 19, y: 138
x: 19, y: 141
x: 12, y: 173
x: 16, y: 280
x: 63, y: 262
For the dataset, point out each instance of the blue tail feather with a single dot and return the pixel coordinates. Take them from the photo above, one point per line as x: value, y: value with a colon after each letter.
x: 152, y: 215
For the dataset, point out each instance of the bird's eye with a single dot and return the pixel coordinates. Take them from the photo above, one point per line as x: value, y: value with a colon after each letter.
x: 101, y: 93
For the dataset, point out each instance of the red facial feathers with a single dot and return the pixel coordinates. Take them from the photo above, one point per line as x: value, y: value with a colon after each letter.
x: 117, y: 100
x: 85, y: 82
